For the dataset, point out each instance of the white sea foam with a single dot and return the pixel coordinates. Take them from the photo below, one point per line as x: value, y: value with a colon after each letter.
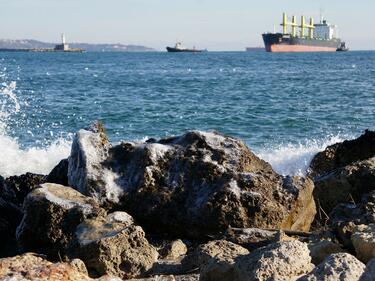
x: 294, y: 159
x: 15, y: 160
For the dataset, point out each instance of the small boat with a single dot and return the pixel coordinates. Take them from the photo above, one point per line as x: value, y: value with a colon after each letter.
x: 342, y: 48
x: 178, y: 48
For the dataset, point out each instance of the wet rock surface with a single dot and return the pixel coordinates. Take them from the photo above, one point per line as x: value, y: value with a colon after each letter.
x: 174, y: 184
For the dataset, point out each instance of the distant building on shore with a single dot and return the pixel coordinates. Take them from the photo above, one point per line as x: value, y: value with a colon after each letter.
x: 63, y: 46
x: 255, y: 49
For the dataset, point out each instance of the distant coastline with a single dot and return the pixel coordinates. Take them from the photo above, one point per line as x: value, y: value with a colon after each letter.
x: 7, y: 44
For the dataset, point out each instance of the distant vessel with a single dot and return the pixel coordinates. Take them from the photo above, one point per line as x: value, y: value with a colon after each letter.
x: 178, y: 48
x: 342, y: 48
x: 321, y: 37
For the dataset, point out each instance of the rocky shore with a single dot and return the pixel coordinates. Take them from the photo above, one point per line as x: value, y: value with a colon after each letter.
x: 200, y: 206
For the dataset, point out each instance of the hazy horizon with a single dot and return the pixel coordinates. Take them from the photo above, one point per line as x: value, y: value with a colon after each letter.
x: 215, y: 25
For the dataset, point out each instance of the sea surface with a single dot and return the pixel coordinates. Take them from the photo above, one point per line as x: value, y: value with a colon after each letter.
x: 286, y: 107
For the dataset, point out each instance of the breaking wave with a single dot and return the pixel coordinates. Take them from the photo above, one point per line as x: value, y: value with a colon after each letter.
x: 15, y: 160
x: 294, y: 159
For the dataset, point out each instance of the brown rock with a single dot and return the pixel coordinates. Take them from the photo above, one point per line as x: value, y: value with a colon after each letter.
x: 342, y: 154
x: 51, y: 214
x: 218, y: 249
x: 363, y: 239
x: 321, y: 249
x: 173, y: 185
x: 113, y: 245
x: 174, y: 250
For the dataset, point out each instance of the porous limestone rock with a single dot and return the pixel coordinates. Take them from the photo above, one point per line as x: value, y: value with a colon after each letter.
x: 285, y: 260
x: 113, y: 245
x: 342, y: 154
x: 369, y: 274
x: 174, y: 184
x: 218, y: 249
x: 340, y: 266
x: 51, y: 214
x: 363, y: 239
x: 30, y: 267
x: 173, y: 250
x: 321, y: 249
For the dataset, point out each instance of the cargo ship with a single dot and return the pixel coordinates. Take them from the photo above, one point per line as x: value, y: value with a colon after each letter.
x: 320, y: 37
x: 178, y: 48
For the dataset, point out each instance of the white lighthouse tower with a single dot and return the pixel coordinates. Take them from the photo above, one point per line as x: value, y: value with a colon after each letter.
x: 63, y: 46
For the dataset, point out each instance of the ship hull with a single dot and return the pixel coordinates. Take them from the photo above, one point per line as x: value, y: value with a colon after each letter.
x: 279, y: 43
x: 176, y: 50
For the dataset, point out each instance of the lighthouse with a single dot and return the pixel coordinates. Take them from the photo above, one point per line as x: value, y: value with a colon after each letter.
x: 63, y: 46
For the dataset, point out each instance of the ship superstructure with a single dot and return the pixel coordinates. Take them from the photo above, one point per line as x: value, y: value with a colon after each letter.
x: 303, y: 37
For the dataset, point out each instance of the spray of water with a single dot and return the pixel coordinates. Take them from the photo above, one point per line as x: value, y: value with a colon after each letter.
x: 13, y: 159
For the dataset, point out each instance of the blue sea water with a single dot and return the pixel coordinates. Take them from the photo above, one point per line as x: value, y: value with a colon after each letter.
x: 286, y: 107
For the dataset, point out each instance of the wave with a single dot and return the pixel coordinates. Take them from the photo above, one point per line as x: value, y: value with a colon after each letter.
x: 15, y: 160
x: 294, y: 159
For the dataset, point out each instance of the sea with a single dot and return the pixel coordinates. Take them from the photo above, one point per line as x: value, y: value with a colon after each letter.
x: 286, y: 107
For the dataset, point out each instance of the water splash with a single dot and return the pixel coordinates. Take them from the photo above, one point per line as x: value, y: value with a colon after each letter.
x: 294, y: 159
x: 15, y: 160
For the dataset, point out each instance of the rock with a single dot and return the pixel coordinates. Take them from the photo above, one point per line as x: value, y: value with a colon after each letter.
x: 253, y: 238
x: 51, y: 214
x: 24, y: 184
x: 340, y: 266
x: 363, y: 239
x: 174, y: 184
x: 218, y: 249
x: 369, y: 274
x: 174, y: 250
x: 342, y: 154
x: 187, y: 277
x: 344, y: 185
x: 59, y: 174
x: 87, y: 171
x: 285, y: 260
x: 321, y: 249
x: 10, y: 217
x: 113, y: 245
x: 344, y: 218
x: 32, y: 267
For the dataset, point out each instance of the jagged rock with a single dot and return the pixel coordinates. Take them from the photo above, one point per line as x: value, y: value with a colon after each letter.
x: 173, y: 185
x: 59, y: 174
x: 363, y: 239
x: 30, y: 267
x: 174, y: 250
x: 218, y: 249
x: 345, y: 184
x: 187, y: 277
x: 369, y: 274
x: 113, y: 245
x: 285, y: 260
x: 340, y: 266
x: 343, y: 154
x: 51, y: 214
x: 24, y: 184
x: 321, y: 249
x: 344, y: 217
x: 87, y: 171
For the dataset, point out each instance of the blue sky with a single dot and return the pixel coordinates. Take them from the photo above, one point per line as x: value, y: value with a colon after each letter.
x: 212, y: 24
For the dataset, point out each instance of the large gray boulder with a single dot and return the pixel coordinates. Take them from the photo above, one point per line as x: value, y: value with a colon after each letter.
x: 51, y: 214
x: 113, y: 245
x: 340, y: 266
x: 369, y: 274
x: 194, y: 184
x: 363, y: 239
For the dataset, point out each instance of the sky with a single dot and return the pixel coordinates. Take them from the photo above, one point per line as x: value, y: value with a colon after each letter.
x: 221, y: 25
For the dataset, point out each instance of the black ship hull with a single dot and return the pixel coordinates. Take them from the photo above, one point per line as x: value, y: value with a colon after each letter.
x: 177, y: 50
x: 278, y: 42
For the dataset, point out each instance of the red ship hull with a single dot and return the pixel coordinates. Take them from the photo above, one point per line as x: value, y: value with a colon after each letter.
x: 280, y: 48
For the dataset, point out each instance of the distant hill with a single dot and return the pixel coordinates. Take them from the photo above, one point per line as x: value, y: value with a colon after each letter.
x: 31, y: 44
